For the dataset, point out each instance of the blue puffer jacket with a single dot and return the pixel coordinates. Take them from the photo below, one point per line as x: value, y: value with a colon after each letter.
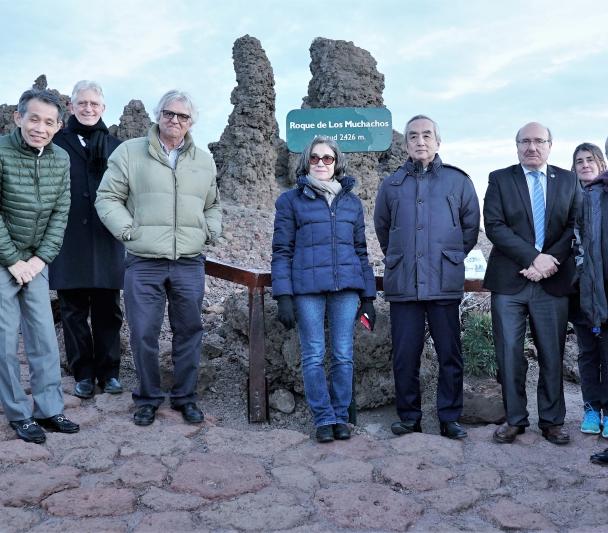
x: 320, y: 248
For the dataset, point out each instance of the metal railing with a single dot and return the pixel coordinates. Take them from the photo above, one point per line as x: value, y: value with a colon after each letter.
x: 256, y: 281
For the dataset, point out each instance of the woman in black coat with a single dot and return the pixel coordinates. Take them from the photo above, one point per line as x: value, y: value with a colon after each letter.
x: 88, y: 272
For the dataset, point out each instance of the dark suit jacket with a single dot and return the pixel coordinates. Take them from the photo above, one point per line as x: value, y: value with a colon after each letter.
x: 509, y: 225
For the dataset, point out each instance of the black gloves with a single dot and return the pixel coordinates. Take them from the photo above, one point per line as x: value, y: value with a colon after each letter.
x: 285, y: 311
x: 367, y: 308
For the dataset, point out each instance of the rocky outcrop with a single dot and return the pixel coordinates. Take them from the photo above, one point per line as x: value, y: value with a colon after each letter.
x: 344, y: 75
x: 7, y: 124
x: 246, y: 154
x: 134, y: 122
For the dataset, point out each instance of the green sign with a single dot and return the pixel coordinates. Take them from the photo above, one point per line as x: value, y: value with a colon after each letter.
x: 355, y: 129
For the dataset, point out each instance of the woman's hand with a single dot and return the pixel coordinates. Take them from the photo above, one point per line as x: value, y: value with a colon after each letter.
x: 367, y: 308
x: 285, y: 312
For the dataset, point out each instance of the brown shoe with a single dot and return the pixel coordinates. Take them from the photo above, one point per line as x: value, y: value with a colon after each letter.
x: 505, y: 434
x: 556, y: 435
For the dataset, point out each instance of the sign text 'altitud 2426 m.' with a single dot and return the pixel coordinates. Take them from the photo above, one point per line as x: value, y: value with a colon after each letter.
x: 355, y: 129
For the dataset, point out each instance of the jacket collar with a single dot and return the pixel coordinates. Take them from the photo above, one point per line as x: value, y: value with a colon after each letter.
x: 156, y: 150
x: 347, y: 183
x: 408, y: 169
x: 19, y: 144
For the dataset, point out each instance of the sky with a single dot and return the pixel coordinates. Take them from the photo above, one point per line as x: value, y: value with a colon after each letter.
x: 480, y: 69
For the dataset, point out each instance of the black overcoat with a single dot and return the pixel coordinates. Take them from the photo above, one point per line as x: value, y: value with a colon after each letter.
x: 90, y: 256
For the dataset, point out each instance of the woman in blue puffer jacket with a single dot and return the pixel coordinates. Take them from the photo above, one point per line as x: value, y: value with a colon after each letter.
x: 320, y: 267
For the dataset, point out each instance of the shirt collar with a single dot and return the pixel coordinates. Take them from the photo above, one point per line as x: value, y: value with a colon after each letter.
x: 166, y: 150
x: 542, y: 169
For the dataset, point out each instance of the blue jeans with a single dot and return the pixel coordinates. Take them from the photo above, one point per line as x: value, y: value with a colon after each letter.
x: 328, y: 403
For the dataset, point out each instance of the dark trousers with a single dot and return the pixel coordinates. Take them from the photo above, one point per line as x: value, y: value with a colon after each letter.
x: 548, y: 321
x: 407, y: 330
x: 149, y: 284
x: 92, y: 351
x: 593, y: 365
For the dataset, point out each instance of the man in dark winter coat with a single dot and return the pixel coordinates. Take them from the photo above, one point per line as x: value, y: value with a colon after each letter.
x: 89, y: 270
x: 34, y: 203
x: 529, y: 215
x: 427, y: 221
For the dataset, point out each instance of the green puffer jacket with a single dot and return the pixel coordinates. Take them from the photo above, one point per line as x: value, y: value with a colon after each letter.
x: 159, y: 212
x: 34, y: 200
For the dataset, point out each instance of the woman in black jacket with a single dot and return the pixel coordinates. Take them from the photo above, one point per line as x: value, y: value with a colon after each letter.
x: 589, y: 319
x: 88, y: 272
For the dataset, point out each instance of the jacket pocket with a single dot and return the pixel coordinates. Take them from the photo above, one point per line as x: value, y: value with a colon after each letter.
x: 452, y: 270
x: 454, y: 209
x: 394, y: 275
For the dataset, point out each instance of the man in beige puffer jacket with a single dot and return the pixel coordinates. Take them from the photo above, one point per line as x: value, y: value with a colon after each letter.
x: 159, y: 196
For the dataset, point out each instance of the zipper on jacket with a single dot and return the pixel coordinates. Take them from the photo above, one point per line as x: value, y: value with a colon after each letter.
x: 334, y: 251
x: 175, y: 214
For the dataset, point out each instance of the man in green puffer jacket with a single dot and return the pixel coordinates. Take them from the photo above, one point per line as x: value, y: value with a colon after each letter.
x: 34, y: 205
x: 159, y: 196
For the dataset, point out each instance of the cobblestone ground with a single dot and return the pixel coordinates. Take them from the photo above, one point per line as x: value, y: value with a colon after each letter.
x: 115, y: 476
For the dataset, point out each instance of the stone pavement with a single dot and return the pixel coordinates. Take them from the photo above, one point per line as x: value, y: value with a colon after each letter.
x: 115, y: 476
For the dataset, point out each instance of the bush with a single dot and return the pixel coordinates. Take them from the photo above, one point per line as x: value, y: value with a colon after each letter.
x: 478, y: 345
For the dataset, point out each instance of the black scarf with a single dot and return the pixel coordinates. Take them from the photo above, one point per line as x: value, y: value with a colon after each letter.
x: 97, y: 145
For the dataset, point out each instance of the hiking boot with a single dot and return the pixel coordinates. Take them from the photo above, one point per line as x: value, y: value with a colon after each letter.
x: 605, y: 432
x: 591, y: 421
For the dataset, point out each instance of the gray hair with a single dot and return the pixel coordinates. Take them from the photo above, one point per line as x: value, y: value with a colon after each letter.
x: 424, y: 117
x: 86, y: 85
x: 303, y: 167
x: 44, y: 96
x: 549, y: 134
x: 181, y: 96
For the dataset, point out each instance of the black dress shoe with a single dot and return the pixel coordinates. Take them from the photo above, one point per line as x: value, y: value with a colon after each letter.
x: 403, y: 427
x: 85, y: 388
x: 341, y: 432
x: 452, y: 430
x: 190, y: 412
x: 505, y: 434
x: 28, y: 430
x: 58, y: 423
x: 111, y: 386
x: 325, y: 433
x: 144, y: 415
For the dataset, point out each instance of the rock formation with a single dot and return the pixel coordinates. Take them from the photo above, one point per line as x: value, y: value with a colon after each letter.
x: 246, y: 154
x: 344, y: 75
x: 134, y: 122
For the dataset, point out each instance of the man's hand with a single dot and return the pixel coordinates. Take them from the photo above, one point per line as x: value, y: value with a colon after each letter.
x: 22, y: 272
x: 546, y: 264
x: 531, y: 273
x: 36, y: 265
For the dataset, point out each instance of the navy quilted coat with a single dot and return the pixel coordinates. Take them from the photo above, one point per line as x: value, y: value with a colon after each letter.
x: 317, y: 247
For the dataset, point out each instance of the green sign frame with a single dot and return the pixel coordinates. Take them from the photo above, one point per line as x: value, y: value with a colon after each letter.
x: 355, y: 129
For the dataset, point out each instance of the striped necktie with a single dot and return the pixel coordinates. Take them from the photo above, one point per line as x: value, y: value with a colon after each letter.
x: 538, y: 209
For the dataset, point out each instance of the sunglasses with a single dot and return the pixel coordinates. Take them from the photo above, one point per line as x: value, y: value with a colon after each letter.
x: 181, y: 117
x: 327, y: 159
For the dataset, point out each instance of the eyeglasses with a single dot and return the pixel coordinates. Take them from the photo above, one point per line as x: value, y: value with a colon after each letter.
x: 181, y: 117
x: 537, y: 142
x: 327, y: 159
x: 85, y: 104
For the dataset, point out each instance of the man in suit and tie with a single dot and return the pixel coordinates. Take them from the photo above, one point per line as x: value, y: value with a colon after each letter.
x: 529, y: 213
